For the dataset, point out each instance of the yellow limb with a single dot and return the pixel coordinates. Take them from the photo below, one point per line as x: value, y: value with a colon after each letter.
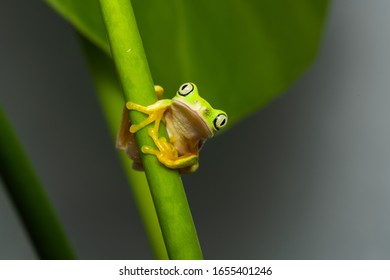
x: 155, y: 112
x: 167, y: 154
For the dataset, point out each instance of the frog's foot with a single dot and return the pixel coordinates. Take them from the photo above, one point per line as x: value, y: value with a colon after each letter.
x: 167, y: 154
x: 171, y: 160
x: 155, y: 113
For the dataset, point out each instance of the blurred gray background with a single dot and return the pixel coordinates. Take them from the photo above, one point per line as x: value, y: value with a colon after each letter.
x: 308, y: 177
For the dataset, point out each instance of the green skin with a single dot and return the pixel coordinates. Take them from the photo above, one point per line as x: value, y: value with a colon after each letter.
x: 190, y: 121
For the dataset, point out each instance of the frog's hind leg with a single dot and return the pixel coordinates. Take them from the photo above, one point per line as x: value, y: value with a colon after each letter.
x: 166, y: 152
x: 171, y: 160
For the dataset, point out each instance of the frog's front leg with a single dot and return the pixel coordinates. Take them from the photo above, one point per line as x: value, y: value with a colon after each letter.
x: 155, y: 113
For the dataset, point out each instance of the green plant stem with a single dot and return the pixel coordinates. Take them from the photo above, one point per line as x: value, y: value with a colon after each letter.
x: 30, y: 199
x: 111, y: 99
x: 165, y: 185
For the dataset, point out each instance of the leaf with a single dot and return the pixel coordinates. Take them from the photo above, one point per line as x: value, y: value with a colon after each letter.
x: 241, y: 54
x: 86, y: 17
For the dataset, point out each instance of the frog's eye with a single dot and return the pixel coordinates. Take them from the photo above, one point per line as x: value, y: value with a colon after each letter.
x: 186, y: 89
x: 220, y: 121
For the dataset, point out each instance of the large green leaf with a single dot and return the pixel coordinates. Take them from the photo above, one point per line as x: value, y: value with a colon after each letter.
x: 241, y: 53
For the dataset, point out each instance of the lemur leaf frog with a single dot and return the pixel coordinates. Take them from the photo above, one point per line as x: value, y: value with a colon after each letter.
x: 190, y: 121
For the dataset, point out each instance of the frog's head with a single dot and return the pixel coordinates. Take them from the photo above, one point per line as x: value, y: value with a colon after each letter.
x: 198, y: 111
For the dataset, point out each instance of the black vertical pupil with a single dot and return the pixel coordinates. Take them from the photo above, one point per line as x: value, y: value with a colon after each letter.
x: 222, y: 123
x: 184, y: 86
x: 186, y: 89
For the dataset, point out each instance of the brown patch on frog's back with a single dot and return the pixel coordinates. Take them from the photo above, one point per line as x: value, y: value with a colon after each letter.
x: 126, y: 141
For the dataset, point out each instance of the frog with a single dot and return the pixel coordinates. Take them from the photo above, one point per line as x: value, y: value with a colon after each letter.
x: 189, y: 120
